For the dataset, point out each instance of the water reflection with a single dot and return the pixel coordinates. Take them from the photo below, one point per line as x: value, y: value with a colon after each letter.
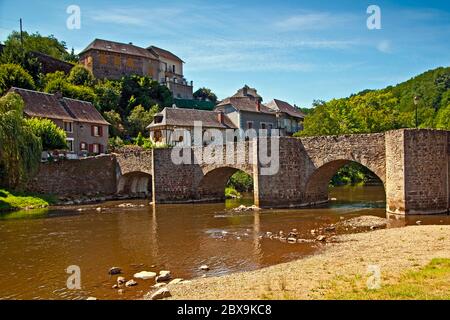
x: 35, y: 252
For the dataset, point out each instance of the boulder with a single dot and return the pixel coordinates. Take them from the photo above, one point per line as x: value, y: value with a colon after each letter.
x: 204, y: 267
x: 121, y: 280
x: 321, y: 238
x: 160, y: 294
x: 145, y: 275
x: 163, y: 276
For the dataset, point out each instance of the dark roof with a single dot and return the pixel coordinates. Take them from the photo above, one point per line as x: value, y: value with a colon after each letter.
x: 186, y: 118
x: 50, y: 64
x: 164, y: 53
x: 117, y: 47
x: 282, y: 106
x: 52, y: 106
x: 194, y: 104
x: 244, y: 104
x: 246, y: 91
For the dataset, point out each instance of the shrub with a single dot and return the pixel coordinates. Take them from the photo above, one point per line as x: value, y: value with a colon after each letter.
x: 13, y: 75
x: 52, y: 136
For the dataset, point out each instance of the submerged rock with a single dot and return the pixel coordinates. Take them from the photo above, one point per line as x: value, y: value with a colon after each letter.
x: 114, y: 270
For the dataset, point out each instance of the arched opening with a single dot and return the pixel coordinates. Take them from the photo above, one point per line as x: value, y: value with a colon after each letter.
x: 135, y: 184
x: 225, y: 182
x: 337, y: 176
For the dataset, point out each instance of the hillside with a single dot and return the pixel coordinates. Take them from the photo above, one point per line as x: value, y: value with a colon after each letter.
x: 389, y: 108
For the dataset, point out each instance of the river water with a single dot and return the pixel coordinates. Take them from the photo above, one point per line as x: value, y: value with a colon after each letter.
x: 36, y: 249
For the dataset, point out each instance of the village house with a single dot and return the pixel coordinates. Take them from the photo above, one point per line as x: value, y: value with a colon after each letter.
x: 246, y: 111
x: 175, y: 127
x: 86, y: 129
x: 113, y: 60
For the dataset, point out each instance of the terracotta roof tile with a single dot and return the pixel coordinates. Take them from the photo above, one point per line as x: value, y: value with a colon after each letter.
x: 117, y: 47
x: 45, y: 105
x: 164, y: 53
x: 244, y: 104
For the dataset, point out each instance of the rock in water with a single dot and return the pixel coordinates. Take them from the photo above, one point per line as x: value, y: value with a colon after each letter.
x: 163, y: 276
x: 161, y: 294
x: 176, y: 281
x: 121, y: 280
x: 130, y: 283
x: 321, y: 238
x: 115, y: 270
x: 204, y: 267
x: 91, y: 298
x: 144, y: 275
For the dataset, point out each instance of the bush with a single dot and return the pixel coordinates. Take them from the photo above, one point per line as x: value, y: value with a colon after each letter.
x: 80, y: 76
x: 13, y: 75
x: 241, y: 181
x: 52, y: 136
x: 231, y: 193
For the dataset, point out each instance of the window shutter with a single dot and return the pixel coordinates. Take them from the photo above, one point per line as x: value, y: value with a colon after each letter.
x: 91, y: 148
x: 92, y: 130
x: 100, y: 148
x: 100, y: 131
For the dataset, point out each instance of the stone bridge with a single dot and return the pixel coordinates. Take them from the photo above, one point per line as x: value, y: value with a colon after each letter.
x: 412, y: 164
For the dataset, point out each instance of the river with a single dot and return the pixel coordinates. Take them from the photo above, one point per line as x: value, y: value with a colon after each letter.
x: 37, y: 248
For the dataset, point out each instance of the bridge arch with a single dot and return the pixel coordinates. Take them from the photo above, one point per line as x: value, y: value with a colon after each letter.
x: 316, y: 188
x: 135, y: 183
x: 211, y: 186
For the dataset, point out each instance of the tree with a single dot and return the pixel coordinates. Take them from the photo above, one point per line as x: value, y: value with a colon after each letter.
x: 12, y: 75
x: 52, y: 136
x: 139, y: 119
x: 70, y: 90
x: 20, y: 149
x: 80, y: 76
x: 117, y: 129
x: 108, y: 95
x: 205, y: 94
x: 443, y: 118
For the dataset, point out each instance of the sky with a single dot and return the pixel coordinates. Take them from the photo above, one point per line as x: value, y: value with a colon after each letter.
x: 297, y: 51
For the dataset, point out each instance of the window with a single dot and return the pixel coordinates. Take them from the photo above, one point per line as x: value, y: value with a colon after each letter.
x: 263, y: 125
x: 173, y: 68
x: 69, y: 142
x: 95, y: 148
x: 103, y: 58
x: 117, y: 61
x: 68, y: 126
x: 96, y: 131
x: 83, y: 146
x: 249, y: 124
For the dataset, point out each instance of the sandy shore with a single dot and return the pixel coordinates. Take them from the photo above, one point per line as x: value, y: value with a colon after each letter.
x: 394, y: 250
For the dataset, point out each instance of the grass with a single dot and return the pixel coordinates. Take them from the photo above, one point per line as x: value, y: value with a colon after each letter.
x: 431, y: 282
x: 10, y: 201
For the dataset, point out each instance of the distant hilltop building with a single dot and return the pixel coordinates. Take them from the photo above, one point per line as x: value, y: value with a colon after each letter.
x: 113, y: 60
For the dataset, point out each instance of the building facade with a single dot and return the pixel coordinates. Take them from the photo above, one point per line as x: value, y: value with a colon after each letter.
x: 175, y: 127
x: 86, y: 129
x: 113, y: 60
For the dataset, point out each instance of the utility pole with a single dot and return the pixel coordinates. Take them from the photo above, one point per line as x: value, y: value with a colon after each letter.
x: 21, y: 32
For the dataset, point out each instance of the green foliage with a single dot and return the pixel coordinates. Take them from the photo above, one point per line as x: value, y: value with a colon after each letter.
x: 20, y: 148
x: 231, y: 193
x: 241, y: 181
x: 144, y: 91
x: 52, y: 136
x: 443, y: 118
x: 70, y: 90
x: 205, y: 94
x: 353, y: 173
x: 12, y: 75
x: 108, y: 95
x: 115, y: 143
x: 21, y: 200
x: 116, y: 129
x: 139, y: 119
x: 80, y: 76
x: 386, y: 109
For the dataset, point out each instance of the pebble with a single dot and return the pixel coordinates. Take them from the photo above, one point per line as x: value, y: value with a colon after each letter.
x: 130, y: 283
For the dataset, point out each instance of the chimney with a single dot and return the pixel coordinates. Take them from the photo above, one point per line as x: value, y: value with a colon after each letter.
x: 244, y: 90
x: 258, y: 105
x: 220, y: 117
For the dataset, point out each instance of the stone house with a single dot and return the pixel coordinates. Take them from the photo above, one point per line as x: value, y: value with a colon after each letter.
x: 113, y: 60
x: 175, y: 127
x: 86, y: 129
x: 246, y: 111
x: 289, y: 118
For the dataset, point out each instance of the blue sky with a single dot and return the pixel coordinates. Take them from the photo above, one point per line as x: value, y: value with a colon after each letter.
x: 296, y: 51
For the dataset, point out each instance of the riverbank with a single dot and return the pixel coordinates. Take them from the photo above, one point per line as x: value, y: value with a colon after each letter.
x: 340, y: 269
x: 12, y: 201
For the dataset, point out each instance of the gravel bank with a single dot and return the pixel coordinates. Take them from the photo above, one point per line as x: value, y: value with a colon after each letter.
x: 394, y: 250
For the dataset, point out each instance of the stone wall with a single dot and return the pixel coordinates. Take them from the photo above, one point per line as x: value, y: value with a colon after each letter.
x: 395, y: 171
x: 95, y: 176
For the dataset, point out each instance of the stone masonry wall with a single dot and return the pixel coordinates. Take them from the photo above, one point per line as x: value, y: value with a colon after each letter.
x: 426, y: 171
x: 395, y: 171
x: 94, y: 176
